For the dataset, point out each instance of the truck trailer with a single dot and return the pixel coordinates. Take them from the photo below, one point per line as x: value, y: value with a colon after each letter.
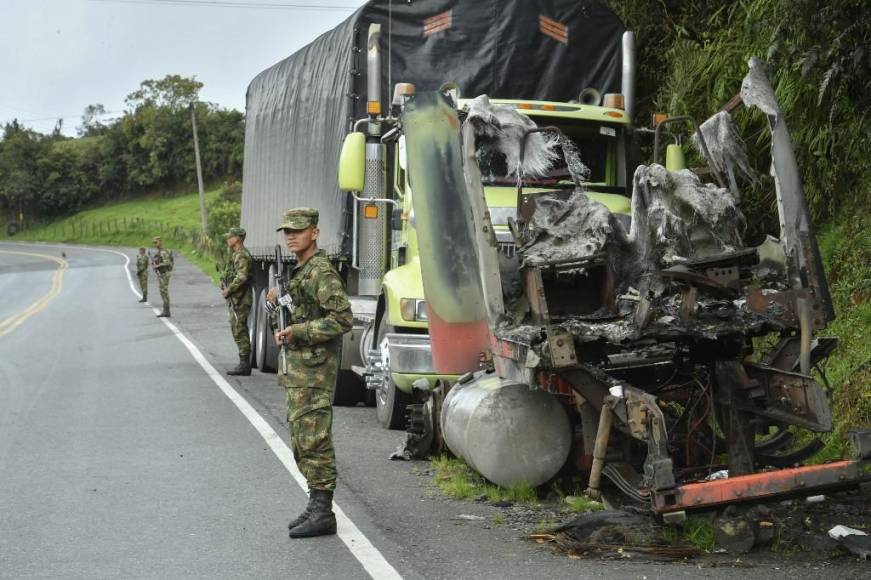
x: 566, y: 62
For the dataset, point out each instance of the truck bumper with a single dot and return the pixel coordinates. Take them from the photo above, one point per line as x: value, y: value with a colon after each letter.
x: 410, y: 358
x: 801, y: 481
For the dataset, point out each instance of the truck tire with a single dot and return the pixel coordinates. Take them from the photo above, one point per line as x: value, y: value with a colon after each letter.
x: 265, y: 344
x: 390, y: 402
x: 349, y: 390
x: 252, y: 326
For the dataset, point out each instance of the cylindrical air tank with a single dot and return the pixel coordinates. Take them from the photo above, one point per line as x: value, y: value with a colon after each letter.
x: 505, y: 431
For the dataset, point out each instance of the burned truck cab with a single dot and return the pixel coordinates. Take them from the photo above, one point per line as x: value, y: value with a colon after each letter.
x: 674, y: 350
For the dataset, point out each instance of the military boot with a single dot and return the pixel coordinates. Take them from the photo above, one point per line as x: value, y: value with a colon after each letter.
x: 243, y: 369
x: 165, y: 313
x: 144, y: 299
x: 321, y: 521
x: 304, y: 515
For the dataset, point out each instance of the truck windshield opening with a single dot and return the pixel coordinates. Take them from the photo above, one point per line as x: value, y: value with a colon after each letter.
x: 596, y: 143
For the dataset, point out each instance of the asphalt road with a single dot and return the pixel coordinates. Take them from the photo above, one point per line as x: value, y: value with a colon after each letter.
x: 121, y: 456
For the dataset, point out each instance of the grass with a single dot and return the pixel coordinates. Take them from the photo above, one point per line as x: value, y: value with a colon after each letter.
x: 846, y: 248
x: 697, y: 531
x: 583, y: 504
x: 132, y: 223
x: 700, y: 533
x: 456, y: 479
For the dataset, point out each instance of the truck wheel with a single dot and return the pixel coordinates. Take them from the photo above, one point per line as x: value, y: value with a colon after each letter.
x: 265, y: 345
x: 252, y: 326
x: 390, y: 402
x: 349, y: 389
x: 366, y: 339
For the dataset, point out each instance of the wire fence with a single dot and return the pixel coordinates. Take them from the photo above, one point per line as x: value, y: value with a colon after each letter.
x: 86, y: 230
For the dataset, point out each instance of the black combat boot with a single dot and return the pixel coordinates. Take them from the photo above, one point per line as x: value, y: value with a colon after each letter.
x: 165, y: 313
x: 321, y: 521
x: 144, y: 299
x: 243, y: 369
x: 305, y: 513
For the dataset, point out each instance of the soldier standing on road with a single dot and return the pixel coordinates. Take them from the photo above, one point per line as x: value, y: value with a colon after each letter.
x: 318, y: 316
x: 237, y: 291
x: 163, y: 267
x: 142, y: 273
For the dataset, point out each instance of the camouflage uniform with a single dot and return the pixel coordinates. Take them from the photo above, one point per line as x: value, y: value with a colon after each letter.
x: 239, y: 298
x: 142, y: 274
x: 320, y: 315
x: 163, y: 267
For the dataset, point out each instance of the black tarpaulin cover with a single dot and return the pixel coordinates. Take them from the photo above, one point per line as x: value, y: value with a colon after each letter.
x: 299, y: 110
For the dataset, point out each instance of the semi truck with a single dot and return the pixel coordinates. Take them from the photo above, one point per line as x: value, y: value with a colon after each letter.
x: 526, y: 294
x: 337, y: 101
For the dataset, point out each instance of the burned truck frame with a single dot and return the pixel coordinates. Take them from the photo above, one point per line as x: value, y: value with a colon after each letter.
x: 647, y: 338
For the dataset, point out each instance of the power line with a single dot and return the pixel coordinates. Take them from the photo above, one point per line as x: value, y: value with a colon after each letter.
x: 233, y: 4
x: 54, y: 118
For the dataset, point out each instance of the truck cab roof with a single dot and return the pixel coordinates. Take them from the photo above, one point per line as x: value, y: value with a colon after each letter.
x: 560, y: 110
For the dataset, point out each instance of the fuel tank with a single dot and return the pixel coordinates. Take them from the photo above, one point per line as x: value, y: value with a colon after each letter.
x: 505, y: 431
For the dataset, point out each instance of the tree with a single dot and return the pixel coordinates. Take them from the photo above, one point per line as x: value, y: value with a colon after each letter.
x: 173, y: 92
x: 91, y: 124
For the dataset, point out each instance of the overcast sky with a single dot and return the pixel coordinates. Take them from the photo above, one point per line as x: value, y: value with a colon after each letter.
x: 58, y: 56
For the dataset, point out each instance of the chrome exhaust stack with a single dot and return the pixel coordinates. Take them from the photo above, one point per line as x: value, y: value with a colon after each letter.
x: 371, y: 223
x: 628, y: 78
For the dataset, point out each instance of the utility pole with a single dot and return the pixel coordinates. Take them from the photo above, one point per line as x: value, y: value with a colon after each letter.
x: 199, y: 169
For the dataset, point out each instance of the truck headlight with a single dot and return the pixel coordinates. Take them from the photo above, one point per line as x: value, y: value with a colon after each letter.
x: 412, y: 309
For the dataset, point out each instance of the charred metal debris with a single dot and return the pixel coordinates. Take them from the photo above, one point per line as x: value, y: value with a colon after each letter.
x: 647, y: 328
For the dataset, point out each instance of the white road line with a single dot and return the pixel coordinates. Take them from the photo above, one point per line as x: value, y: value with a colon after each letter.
x: 361, y: 548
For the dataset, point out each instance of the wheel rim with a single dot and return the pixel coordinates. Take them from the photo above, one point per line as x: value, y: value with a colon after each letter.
x: 261, y: 335
x: 385, y: 377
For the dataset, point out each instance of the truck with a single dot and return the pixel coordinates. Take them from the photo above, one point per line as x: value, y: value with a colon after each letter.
x: 336, y: 102
x: 657, y: 355
x: 526, y: 294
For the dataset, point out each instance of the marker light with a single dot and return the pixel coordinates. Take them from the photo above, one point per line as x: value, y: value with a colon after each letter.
x: 613, y: 101
x: 370, y: 211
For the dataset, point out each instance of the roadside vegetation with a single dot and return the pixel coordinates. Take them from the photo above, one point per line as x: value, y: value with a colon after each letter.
x: 692, y: 57
x: 456, y: 479
x: 135, y: 222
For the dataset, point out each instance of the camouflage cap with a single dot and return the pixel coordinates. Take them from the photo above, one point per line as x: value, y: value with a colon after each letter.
x: 299, y: 218
x: 155, y: 239
x: 238, y: 232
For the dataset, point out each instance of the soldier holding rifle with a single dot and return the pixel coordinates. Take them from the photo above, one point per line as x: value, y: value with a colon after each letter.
x: 236, y: 289
x: 318, y: 314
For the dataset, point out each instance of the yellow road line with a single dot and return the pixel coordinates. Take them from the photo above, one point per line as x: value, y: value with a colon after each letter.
x: 57, y: 280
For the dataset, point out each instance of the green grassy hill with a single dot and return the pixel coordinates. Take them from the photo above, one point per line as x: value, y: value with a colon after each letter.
x: 134, y: 223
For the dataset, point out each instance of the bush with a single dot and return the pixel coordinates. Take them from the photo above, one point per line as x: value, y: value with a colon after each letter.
x: 223, y: 215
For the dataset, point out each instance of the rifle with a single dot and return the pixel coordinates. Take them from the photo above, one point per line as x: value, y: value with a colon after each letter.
x: 224, y: 275
x: 284, y: 302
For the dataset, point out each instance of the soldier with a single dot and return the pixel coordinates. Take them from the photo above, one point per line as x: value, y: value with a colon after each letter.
x: 142, y: 273
x: 237, y: 291
x: 319, y: 315
x: 163, y: 267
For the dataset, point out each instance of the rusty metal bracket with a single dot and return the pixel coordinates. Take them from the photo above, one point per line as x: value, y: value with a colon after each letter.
x: 792, y: 398
x: 562, y: 348
x: 802, y: 481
